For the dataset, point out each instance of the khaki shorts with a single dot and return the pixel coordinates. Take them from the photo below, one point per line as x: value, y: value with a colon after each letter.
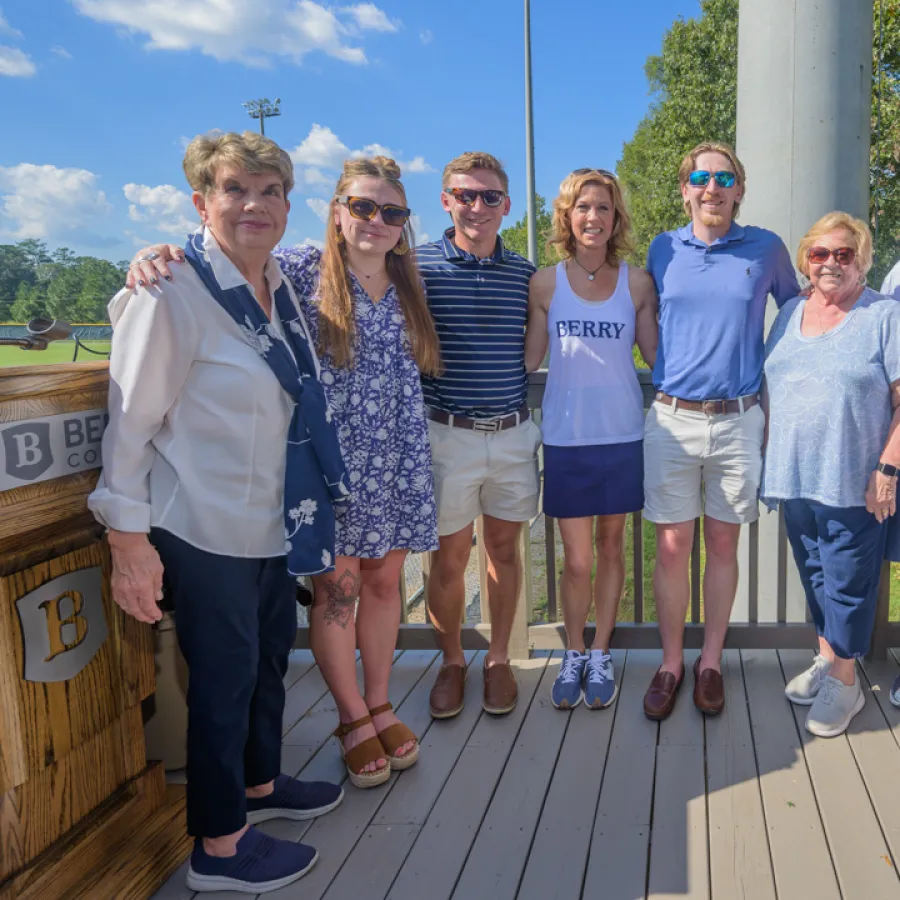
x: 475, y: 473
x: 695, y: 463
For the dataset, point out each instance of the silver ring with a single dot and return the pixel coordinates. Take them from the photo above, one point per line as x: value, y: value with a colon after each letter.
x: 149, y: 257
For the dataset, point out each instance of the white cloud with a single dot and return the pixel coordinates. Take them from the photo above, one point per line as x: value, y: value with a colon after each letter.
x: 313, y: 177
x: 416, y: 223
x: 15, y: 63
x: 426, y: 36
x: 321, y: 147
x: 61, y: 52
x: 312, y: 242
x: 416, y: 165
x: 245, y: 32
x: 370, y: 18
x: 7, y: 29
x: 319, y: 207
x: 44, y: 201
x: 170, y: 210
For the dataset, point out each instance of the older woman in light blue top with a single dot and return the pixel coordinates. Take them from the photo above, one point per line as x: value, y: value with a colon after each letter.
x: 833, y: 382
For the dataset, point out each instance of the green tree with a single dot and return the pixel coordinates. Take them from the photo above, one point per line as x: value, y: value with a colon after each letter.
x: 516, y: 236
x: 693, y: 84
x: 100, y: 281
x: 15, y: 270
x: 31, y: 301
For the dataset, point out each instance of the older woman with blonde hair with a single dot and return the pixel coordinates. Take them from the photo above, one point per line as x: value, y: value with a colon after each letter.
x: 367, y: 312
x: 219, y: 439
x: 832, y: 385
x: 591, y: 308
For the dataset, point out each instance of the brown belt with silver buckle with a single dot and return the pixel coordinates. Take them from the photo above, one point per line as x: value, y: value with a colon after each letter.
x: 488, y: 425
x: 710, y: 407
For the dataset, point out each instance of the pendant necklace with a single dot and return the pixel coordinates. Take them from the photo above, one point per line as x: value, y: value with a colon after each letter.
x: 590, y: 274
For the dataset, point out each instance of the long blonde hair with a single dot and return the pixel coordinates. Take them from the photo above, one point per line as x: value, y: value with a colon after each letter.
x: 337, y: 331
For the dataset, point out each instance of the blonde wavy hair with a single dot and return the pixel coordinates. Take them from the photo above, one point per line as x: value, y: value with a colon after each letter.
x: 688, y: 163
x: 562, y: 240
x: 838, y: 221
x: 249, y: 151
x: 337, y: 335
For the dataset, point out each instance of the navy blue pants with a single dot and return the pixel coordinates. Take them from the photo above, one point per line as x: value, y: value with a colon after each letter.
x: 839, y: 554
x: 235, y: 620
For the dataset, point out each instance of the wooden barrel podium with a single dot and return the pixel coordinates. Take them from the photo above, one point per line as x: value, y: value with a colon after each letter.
x: 82, y: 813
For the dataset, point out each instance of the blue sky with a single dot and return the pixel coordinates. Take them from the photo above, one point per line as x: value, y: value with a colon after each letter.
x: 98, y: 98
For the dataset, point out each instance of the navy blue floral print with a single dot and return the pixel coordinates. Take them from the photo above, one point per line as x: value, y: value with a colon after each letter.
x: 380, y: 416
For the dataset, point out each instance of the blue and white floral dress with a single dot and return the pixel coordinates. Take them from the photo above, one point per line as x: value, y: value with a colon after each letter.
x: 380, y: 416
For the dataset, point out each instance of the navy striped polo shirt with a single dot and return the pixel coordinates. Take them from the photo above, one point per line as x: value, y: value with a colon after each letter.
x: 479, y: 307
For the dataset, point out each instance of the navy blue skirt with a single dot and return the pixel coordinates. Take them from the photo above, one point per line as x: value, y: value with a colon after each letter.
x: 593, y: 480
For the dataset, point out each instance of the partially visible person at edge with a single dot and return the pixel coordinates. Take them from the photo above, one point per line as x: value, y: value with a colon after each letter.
x: 890, y: 287
x: 590, y: 308
x: 218, y: 435
x: 483, y: 441
x: 832, y: 383
x: 704, y: 432
x: 367, y: 313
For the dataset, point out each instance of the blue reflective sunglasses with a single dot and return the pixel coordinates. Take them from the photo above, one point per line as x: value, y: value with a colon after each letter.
x: 701, y: 177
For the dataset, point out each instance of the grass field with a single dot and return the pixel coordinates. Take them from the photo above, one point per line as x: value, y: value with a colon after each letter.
x: 59, y: 351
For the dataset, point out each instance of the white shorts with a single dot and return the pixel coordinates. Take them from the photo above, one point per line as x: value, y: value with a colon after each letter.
x: 695, y: 463
x: 493, y: 473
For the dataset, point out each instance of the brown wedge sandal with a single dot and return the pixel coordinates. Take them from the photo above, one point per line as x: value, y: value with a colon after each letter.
x: 357, y: 758
x: 395, y: 736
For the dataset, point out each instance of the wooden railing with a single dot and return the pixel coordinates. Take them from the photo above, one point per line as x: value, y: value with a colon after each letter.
x: 769, y: 612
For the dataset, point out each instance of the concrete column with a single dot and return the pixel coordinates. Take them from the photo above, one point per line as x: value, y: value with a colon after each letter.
x: 803, y: 127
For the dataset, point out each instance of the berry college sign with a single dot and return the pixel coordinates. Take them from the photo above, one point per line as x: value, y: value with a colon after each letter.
x: 41, y: 449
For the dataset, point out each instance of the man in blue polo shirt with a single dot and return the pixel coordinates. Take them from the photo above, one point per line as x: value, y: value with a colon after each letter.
x: 704, y: 432
x: 484, y: 443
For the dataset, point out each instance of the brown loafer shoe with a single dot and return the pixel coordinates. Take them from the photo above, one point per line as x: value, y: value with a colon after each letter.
x: 448, y: 694
x: 500, y: 689
x: 659, y: 701
x: 709, y: 690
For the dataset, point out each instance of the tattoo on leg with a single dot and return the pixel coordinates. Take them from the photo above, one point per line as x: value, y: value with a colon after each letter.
x: 341, y: 596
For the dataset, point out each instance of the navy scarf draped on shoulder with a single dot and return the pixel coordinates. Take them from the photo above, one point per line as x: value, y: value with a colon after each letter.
x: 315, y: 473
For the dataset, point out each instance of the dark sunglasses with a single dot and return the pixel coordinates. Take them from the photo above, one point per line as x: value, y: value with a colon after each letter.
x: 605, y: 172
x: 363, y: 208
x: 843, y: 256
x: 701, y: 177
x: 468, y: 196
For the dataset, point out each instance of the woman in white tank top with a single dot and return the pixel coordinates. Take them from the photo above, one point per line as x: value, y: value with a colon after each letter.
x: 590, y: 309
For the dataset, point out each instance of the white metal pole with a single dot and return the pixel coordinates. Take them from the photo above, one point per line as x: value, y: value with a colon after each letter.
x: 529, y: 144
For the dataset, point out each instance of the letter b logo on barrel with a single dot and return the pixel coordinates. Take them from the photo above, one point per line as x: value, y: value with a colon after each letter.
x: 28, y: 453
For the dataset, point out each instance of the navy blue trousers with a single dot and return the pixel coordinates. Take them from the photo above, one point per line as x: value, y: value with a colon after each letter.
x: 235, y: 620
x: 838, y: 553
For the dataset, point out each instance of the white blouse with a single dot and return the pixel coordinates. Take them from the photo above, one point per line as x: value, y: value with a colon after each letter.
x: 198, y: 422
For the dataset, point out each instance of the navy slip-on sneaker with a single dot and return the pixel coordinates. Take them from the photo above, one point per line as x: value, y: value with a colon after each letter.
x: 261, y: 864
x: 293, y: 799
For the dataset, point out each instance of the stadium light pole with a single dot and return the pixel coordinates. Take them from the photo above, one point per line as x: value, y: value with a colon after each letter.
x: 262, y: 109
x: 529, y: 145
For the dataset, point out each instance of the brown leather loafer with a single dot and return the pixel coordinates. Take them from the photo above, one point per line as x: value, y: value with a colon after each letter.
x: 659, y: 701
x: 448, y: 694
x: 709, y: 690
x: 500, y: 689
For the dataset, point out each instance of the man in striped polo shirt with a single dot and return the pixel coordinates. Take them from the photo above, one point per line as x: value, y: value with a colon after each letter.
x: 483, y: 441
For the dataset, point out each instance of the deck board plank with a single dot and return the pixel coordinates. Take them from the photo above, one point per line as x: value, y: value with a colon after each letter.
x: 801, y: 860
x: 740, y: 862
x: 567, y: 819
x: 444, y: 841
x: 498, y: 856
x: 617, y: 861
x: 854, y: 835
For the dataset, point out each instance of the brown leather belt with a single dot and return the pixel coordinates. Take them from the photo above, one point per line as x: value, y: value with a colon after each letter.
x: 487, y: 425
x: 710, y: 407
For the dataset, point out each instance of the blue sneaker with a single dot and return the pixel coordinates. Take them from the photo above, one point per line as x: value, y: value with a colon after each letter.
x: 293, y: 799
x: 600, y: 686
x: 894, y: 695
x: 566, y: 691
x: 261, y: 864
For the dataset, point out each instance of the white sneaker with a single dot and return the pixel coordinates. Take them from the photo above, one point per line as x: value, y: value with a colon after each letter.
x: 802, y: 689
x: 834, y: 707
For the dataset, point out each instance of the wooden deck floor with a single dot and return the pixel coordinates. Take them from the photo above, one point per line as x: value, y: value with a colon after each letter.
x: 543, y: 804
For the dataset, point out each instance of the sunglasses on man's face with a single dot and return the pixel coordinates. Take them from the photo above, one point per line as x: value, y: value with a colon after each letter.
x: 468, y: 196
x: 843, y: 256
x: 363, y: 208
x: 701, y: 177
